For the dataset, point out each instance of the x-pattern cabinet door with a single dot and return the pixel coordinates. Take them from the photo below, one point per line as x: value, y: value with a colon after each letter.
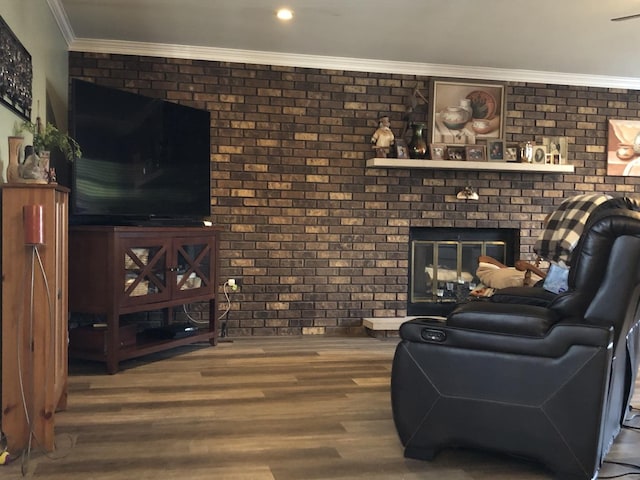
x: 146, y: 270
x: 194, y: 266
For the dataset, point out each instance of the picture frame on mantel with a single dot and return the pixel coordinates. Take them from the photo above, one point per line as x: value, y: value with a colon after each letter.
x: 438, y: 151
x: 496, y: 150
x: 401, y: 148
x: 466, y: 112
x: 475, y: 153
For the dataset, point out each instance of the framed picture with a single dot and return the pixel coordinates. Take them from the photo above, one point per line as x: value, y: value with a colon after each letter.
x: 456, y: 152
x: 438, y: 151
x: 465, y: 112
x: 557, y: 148
x: 495, y: 150
x: 401, y: 148
x: 16, y: 74
x: 511, y: 152
x: 539, y: 154
x: 623, y: 148
x: 475, y: 153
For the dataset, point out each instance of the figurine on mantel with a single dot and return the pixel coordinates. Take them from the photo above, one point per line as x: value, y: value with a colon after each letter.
x: 383, y: 137
x: 33, y: 169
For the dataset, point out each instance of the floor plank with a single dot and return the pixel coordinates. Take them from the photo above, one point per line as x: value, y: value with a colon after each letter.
x: 255, y: 409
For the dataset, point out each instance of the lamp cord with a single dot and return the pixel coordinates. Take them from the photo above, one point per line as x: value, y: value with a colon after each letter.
x: 28, y: 410
x: 201, y: 323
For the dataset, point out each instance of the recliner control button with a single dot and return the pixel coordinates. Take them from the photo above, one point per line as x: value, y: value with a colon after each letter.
x: 433, y: 335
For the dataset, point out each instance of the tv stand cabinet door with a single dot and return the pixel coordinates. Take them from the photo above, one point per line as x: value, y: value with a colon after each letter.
x: 195, y: 266
x: 143, y: 265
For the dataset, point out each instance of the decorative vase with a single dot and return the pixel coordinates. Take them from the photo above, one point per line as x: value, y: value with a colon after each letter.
x: 15, y: 149
x: 417, y: 145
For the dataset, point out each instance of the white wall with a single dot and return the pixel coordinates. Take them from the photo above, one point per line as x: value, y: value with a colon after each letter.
x: 34, y: 25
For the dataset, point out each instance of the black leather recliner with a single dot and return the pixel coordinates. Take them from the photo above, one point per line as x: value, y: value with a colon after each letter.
x: 541, y: 376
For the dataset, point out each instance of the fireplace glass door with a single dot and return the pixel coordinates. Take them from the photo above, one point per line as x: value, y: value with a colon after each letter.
x: 443, y: 271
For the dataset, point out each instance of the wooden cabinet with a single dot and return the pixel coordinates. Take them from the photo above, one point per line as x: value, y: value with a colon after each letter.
x: 34, y: 315
x: 117, y: 270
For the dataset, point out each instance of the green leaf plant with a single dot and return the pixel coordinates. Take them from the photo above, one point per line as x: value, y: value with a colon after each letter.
x: 49, y: 138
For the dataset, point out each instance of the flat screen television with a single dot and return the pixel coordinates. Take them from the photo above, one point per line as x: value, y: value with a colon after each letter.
x: 144, y: 160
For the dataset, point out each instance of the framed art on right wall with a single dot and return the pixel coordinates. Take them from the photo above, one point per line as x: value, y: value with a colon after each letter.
x: 623, y: 147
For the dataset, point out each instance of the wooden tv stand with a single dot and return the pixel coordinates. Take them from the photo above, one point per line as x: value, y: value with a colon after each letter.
x: 116, y: 270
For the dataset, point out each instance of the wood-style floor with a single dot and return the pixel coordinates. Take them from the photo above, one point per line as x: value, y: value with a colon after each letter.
x: 259, y: 409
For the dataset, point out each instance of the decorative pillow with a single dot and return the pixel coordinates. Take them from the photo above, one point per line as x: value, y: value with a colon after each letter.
x: 497, y: 277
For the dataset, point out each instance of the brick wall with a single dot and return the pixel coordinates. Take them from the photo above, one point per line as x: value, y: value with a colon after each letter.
x: 318, y: 240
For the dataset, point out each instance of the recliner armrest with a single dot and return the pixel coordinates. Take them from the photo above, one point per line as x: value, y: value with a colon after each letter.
x: 560, y: 337
x: 526, y: 320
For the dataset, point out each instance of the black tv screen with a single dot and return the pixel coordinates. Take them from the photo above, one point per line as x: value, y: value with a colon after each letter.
x: 143, y: 159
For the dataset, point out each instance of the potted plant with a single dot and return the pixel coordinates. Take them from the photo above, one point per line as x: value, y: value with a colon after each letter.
x: 51, y: 138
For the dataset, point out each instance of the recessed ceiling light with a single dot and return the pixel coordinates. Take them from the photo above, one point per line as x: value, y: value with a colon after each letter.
x: 284, y: 14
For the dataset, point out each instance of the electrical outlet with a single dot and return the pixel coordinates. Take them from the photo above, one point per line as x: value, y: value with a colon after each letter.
x: 234, y: 283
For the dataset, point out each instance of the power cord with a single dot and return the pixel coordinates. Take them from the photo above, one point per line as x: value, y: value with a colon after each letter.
x: 625, y: 464
x: 5, y: 456
x: 620, y: 475
x: 225, y: 314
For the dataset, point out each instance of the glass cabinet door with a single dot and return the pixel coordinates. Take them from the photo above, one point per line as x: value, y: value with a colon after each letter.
x: 193, y: 264
x: 145, y: 272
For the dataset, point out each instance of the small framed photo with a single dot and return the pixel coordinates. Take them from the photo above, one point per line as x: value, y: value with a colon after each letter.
x: 438, y: 151
x: 456, y: 152
x: 495, y: 150
x: 511, y: 152
x: 539, y: 154
x: 475, y: 153
x: 558, y: 148
x: 401, y: 149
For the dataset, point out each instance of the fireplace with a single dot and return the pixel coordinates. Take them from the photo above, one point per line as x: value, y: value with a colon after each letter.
x: 443, y: 262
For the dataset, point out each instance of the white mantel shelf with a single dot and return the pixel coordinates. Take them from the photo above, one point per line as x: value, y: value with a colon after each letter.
x: 464, y: 165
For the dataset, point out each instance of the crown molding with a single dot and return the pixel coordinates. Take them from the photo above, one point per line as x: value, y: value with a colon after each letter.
x: 62, y: 19
x: 348, y: 64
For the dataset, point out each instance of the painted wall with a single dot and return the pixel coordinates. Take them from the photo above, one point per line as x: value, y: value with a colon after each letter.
x: 34, y: 25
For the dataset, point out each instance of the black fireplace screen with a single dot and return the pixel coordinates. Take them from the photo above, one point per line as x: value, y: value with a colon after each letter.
x: 443, y: 262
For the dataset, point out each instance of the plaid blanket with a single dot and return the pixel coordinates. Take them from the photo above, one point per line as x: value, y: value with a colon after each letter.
x: 564, y: 227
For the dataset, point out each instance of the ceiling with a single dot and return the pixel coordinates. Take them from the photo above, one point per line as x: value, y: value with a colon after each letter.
x: 553, y: 41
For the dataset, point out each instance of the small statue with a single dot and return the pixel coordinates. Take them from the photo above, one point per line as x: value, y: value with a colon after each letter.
x: 383, y: 137
x: 31, y: 170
